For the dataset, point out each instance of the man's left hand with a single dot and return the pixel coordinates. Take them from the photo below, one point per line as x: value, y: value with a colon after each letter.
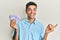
x: 50, y: 28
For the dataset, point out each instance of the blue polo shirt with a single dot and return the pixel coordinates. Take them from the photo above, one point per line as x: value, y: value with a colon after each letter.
x: 27, y: 31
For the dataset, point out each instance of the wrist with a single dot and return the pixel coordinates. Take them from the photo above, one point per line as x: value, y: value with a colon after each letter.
x: 16, y: 30
x: 46, y: 34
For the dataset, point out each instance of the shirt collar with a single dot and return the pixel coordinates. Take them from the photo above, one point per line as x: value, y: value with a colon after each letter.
x: 33, y: 22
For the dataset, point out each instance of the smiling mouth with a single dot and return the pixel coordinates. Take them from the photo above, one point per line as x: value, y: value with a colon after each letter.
x: 32, y: 14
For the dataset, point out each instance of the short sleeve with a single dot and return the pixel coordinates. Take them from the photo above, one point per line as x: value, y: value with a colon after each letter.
x: 42, y: 32
x: 13, y: 33
x: 19, y: 25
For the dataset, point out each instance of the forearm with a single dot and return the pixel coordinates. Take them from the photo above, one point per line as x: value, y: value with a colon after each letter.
x: 15, y: 37
x: 45, y: 36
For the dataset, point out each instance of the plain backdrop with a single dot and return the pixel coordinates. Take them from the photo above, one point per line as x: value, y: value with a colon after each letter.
x: 48, y: 12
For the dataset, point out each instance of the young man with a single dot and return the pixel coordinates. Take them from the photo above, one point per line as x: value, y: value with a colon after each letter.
x: 30, y: 28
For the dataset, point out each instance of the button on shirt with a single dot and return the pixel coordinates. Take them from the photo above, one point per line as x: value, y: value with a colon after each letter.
x: 27, y: 31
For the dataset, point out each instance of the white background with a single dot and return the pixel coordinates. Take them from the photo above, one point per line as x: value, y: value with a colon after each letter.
x: 48, y: 12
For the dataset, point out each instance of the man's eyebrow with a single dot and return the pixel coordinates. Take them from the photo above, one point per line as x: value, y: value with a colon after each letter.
x: 29, y: 8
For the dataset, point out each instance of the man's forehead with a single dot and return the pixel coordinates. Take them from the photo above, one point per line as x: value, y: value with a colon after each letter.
x: 32, y: 6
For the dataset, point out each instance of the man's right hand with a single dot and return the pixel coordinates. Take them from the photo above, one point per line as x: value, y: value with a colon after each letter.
x: 13, y: 24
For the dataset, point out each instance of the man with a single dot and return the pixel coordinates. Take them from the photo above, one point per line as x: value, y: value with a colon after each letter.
x: 30, y: 28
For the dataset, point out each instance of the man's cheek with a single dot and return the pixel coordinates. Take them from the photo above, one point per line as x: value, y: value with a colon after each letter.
x: 34, y: 14
x: 29, y: 12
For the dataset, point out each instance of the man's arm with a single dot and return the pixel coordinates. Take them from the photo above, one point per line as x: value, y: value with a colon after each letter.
x: 49, y: 29
x: 15, y: 37
x: 45, y: 36
x: 13, y: 25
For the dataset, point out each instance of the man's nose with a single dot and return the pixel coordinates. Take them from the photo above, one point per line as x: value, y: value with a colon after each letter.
x: 31, y: 11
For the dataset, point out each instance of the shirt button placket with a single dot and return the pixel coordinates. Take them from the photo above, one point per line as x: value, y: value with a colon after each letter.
x: 29, y: 35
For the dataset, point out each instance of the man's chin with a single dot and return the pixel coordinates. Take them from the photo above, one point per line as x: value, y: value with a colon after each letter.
x: 32, y: 17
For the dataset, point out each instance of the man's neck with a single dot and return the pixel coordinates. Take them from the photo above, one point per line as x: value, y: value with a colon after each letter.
x: 31, y: 20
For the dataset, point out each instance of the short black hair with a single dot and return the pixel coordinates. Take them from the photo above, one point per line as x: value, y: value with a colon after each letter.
x: 30, y: 3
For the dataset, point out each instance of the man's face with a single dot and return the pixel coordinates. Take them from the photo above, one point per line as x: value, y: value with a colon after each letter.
x: 31, y: 11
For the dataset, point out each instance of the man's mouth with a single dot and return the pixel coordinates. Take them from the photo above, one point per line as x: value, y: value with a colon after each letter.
x: 32, y: 14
